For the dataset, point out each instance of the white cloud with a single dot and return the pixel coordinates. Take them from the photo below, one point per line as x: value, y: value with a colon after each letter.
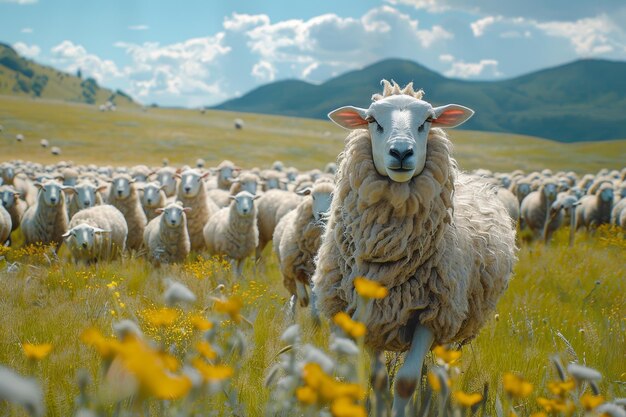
x: 264, y: 71
x: 446, y: 58
x: 26, y: 30
x: 23, y: 49
x: 589, y: 36
x: 139, y: 27
x: 479, y: 26
x: 240, y: 22
x: 433, y: 6
x: 72, y: 57
x: 461, y: 69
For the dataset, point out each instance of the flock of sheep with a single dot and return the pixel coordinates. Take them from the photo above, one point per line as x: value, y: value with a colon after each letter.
x: 394, y: 209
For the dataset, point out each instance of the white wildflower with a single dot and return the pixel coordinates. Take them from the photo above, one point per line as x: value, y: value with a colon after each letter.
x: 23, y: 391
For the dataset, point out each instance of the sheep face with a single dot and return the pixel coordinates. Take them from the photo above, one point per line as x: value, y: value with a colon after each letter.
x: 52, y: 193
x: 151, y: 195
x: 271, y: 184
x: 173, y: 215
x: 244, y: 203
x: 606, y: 194
x: 550, y: 190
x: 249, y: 186
x: 523, y: 189
x: 121, y: 188
x: 399, y: 126
x: 7, y: 173
x: 84, y: 236
x: 321, y: 204
x: 191, y: 182
x: 167, y: 180
x: 86, y: 195
x: 292, y: 173
x: 8, y: 196
x: 225, y: 173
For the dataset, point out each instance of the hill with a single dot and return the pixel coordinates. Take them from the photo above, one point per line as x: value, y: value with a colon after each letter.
x: 581, y: 101
x: 131, y: 136
x: 23, y: 77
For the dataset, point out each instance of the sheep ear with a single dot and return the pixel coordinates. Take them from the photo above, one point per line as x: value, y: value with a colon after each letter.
x: 177, y: 175
x: 450, y: 116
x: 38, y: 185
x: 349, y: 117
x: 68, y: 189
x: 206, y: 174
x: 187, y: 209
x: 306, y: 191
x: 66, y: 234
x: 132, y: 181
x: 235, y: 180
x: 159, y: 211
x: 17, y: 195
x: 283, y: 181
x: 237, y: 169
x: 256, y: 197
x: 101, y: 188
x: 98, y: 231
x: 232, y: 197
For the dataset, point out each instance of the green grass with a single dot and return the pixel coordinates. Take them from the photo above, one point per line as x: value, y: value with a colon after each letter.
x: 131, y: 136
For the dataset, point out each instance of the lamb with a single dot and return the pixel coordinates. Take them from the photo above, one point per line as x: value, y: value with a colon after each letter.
x: 46, y: 221
x: 272, y: 206
x: 13, y: 204
x: 595, y: 209
x: 153, y: 199
x: 192, y: 194
x: 97, y: 233
x: 84, y: 196
x: 233, y: 232
x: 123, y: 196
x: 166, y: 236
x: 6, y: 226
x: 535, y: 207
x: 166, y: 176
x: 403, y: 216
x: 297, y: 239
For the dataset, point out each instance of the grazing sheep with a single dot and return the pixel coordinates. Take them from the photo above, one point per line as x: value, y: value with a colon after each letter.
x: 55, y: 150
x: 297, y: 239
x: 536, y: 205
x: 153, y: 199
x: 272, y: 206
x: 123, y: 196
x: 166, y: 236
x: 84, y: 196
x: 19, y: 137
x: 403, y: 216
x: 12, y: 203
x: 233, y: 232
x: 192, y: 194
x: 595, y: 209
x: 44, y: 143
x: 46, y: 221
x: 238, y: 123
x: 166, y: 176
x: 510, y: 202
x: 564, y: 202
x: 97, y: 233
x: 200, y: 163
x: 6, y: 226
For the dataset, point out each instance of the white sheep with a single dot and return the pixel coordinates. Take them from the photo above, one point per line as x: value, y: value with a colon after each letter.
x: 85, y: 195
x: 225, y: 173
x: 616, y: 213
x: 140, y: 173
x: 19, y: 137
x: 166, y: 236
x: 297, y: 239
x: 273, y: 180
x: 246, y: 181
x: 238, y: 123
x: 46, y: 221
x: 123, y: 196
x: 403, y: 216
x: 97, y: 233
x: 153, y: 199
x: 6, y: 226
x: 233, y: 232
x: 595, y: 209
x: 192, y: 194
x: 166, y: 176
x: 536, y: 205
x: 564, y: 203
x: 510, y: 202
x: 44, y: 143
x: 271, y: 207
x: 10, y: 199
x: 55, y: 150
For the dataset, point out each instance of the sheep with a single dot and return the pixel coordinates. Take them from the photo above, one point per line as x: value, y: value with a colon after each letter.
x: 246, y: 181
x: 278, y: 166
x: 403, y: 216
x: 273, y: 180
x: 19, y: 137
x: 233, y: 232
x: 616, y: 212
x: 272, y: 206
x: 297, y: 238
x: 330, y: 168
x: 166, y: 176
x: 225, y: 172
x: 140, y: 173
x: 192, y: 194
x: 55, y: 150
x: 6, y: 226
x: 595, y: 209
x: 510, y: 202
x: 238, y: 123
x: 521, y: 188
x: 152, y: 199
x: 46, y: 221
x: 564, y: 202
x: 123, y: 196
x: 44, y: 143
x: 220, y: 197
x: 535, y: 207
x: 166, y: 236
x: 97, y: 233
x: 200, y: 163
x: 11, y: 202
x: 85, y: 195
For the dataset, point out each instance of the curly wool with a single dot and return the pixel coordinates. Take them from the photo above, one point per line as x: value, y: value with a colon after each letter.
x: 244, y: 179
x: 202, y: 209
x: 227, y: 233
x: 17, y: 208
x: 166, y: 244
x: 445, y: 255
x: 133, y: 213
x: 44, y: 224
x: 107, y: 246
x: 271, y: 207
x: 5, y: 225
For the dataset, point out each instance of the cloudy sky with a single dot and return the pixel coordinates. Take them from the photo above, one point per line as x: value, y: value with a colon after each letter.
x: 201, y: 52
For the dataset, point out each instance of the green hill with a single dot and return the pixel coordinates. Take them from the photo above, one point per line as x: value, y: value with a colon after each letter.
x: 581, y: 101
x: 23, y: 77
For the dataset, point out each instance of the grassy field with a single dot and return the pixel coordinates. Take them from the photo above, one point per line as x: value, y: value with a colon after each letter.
x: 565, y: 301
x: 132, y: 136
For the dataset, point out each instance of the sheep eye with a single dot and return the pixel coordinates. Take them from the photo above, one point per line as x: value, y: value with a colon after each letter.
x: 420, y: 128
x: 379, y: 128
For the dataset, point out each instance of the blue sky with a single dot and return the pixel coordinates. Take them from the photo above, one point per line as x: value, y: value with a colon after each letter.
x: 192, y: 53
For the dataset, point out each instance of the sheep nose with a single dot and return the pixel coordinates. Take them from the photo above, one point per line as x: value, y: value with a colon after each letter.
x: 401, y: 153
x: 149, y: 201
x: 84, y: 245
x: 53, y: 200
x: 173, y: 222
x: 119, y: 192
x: 187, y: 189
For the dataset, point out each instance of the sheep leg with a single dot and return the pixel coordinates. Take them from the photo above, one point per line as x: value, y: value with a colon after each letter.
x: 302, y: 293
x: 379, y: 379
x: 314, y: 312
x: 291, y: 309
x: 409, y: 375
x: 572, y: 225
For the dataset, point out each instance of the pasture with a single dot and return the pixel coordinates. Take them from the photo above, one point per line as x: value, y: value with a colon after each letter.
x: 562, y: 301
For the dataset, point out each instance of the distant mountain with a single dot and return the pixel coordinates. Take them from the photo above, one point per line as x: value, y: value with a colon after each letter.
x: 581, y: 101
x: 24, y: 77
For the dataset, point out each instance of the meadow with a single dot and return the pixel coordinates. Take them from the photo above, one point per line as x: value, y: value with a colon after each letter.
x: 568, y: 302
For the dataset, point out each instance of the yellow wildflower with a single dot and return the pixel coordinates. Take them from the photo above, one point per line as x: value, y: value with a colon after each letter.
x: 162, y: 317
x: 445, y: 355
x: 204, y: 348
x: 306, y: 395
x: 230, y: 306
x: 344, y: 407
x: 556, y: 406
x: 36, y: 352
x: 369, y: 289
x: 465, y: 399
x: 516, y: 386
x: 200, y: 323
x: 433, y: 380
x: 353, y: 328
x: 212, y: 373
x: 539, y: 414
x: 106, y: 347
x: 561, y: 388
x: 590, y: 401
